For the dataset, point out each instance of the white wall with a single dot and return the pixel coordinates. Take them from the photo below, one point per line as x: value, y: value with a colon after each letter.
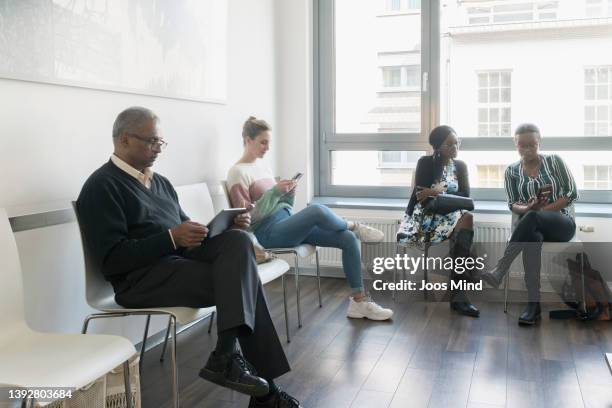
x: 293, y: 131
x: 53, y: 137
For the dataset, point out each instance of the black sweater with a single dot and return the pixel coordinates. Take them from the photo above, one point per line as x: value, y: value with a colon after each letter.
x: 424, y: 177
x: 124, y: 223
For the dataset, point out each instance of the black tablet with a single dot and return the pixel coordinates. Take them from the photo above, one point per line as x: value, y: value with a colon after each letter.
x: 223, y: 220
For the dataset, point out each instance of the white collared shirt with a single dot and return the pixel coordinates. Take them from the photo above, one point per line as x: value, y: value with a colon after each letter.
x: 144, y: 177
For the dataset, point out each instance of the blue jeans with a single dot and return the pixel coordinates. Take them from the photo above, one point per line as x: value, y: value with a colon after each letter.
x: 315, y: 225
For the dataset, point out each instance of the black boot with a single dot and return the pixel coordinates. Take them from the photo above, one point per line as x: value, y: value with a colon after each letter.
x: 531, y: 314
x: 461, y: 303
x: 461, y: 244
x: 231, y: 370
x: 495, y: 276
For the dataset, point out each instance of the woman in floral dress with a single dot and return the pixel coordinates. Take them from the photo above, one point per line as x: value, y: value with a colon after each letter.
x: 441, y: 173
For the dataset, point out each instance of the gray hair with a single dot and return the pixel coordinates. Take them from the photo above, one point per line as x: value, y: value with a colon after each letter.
x: 527, y: 128
x: 131, y: 119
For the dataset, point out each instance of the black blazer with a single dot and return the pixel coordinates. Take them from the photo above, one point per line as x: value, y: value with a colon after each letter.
x: 424, y: 177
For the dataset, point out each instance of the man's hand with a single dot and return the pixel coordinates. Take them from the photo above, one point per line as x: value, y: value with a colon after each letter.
x: 243, y: 221
x: 285, y: 186
x: 189, y: 234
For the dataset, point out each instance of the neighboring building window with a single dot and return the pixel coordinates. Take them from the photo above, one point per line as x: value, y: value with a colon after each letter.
x: 598, y: 8
x: 401, y: 76
x: 491, y: 175
x: 597, y: 177
x: 598, y: 101
x: 513, y: 12
x: 392, y: 77
x: 494, y: 103
x: 401, y: 5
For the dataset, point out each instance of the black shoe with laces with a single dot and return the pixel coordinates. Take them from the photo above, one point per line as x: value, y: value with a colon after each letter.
x: 233, y: 371
x: 280, y: 399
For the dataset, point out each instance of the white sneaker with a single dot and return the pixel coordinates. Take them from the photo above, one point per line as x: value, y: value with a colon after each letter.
x: 367, y: 308
x: 368, y: 234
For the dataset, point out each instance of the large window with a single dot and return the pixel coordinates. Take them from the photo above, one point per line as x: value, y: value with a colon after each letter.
x: 481, y: 66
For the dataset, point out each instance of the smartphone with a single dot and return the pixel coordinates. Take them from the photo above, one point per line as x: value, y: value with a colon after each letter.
x: 297, y: 176
x: 545, y: 191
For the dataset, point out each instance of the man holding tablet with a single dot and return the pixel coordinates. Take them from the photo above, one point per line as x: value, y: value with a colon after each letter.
x: 154, y: 256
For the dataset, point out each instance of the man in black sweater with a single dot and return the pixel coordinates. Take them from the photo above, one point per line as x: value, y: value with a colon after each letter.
x: 140, y: 239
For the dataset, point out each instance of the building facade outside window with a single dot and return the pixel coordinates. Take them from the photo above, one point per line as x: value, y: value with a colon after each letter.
x: 494, y: 103
x: 598, y: 101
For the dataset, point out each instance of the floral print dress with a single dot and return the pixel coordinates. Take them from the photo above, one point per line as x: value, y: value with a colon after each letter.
x: 413, y: 228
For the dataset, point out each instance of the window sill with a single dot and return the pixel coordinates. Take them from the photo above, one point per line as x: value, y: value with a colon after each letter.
x: 482, y: 206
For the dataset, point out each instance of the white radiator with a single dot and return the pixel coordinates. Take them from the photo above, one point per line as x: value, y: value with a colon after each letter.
x: 484, y: 232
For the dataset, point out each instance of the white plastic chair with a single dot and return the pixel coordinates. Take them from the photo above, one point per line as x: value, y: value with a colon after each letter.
x: 100, y: 295
x: 268, y: 271
x: 31, y: 359
x: 574, y: 245
x: 301, y: 251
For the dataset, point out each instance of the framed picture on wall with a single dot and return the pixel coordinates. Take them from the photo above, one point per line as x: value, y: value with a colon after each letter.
x: 167, y: 48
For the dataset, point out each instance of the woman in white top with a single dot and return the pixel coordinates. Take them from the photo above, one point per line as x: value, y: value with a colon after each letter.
x: 276, y: 226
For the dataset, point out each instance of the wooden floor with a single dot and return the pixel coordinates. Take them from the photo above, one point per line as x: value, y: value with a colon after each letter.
x: 426, y: 357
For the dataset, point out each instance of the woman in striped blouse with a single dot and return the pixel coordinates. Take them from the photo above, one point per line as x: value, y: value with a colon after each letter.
x: 541, y: 190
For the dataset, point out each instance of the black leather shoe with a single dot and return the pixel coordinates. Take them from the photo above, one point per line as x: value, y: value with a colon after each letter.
x: 279, y: 399
x: 531, y: 314
x: 465, y: 308
x: 233, y: 371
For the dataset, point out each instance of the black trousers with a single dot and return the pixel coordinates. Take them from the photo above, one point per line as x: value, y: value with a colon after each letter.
x: 222, y: 272
x: 532, y: 229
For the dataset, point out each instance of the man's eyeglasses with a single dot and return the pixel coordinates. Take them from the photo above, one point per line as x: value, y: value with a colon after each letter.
x: 153, y: 142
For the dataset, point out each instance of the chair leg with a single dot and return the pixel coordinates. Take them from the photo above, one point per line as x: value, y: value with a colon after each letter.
x: 318, y: 276
x: 144, y: 343
x: 284, y: 283
x: 584, y: 308
x: 175, y: 391
x: 126, y: 381
x: 163, y: 353
x: 210, y: 323
x: 506, y: 285
x: 425, y: 271
x: 297, y: 289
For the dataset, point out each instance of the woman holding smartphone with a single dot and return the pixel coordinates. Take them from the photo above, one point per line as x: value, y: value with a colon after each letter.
x: 276, y: 226
x: 541, y: 190
x: 441, y: 173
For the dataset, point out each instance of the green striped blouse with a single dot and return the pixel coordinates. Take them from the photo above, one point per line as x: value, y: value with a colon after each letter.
x: 520, y: 187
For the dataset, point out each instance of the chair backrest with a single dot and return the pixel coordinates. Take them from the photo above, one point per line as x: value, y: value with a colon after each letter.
x: 11, y: 285
x: 226, y: 191
x: 97, y: 289
x: 196, y: 202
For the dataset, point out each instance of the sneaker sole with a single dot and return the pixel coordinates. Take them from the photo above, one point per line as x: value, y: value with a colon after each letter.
x: 360, y: 316
x: 217, y: 378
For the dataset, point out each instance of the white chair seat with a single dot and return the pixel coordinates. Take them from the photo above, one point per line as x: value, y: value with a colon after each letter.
x: 32, y: 359
x: 303, y: 250
x: 184, y: 315
x: 271, y: 270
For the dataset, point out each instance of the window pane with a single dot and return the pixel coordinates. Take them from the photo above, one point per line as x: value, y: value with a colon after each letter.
x: 377, y: 84
x: 586, y: 167
x: 372, y: 168
x: 498, y: 64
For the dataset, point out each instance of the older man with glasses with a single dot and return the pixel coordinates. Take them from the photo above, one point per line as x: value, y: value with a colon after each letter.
x: 154, y: 256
